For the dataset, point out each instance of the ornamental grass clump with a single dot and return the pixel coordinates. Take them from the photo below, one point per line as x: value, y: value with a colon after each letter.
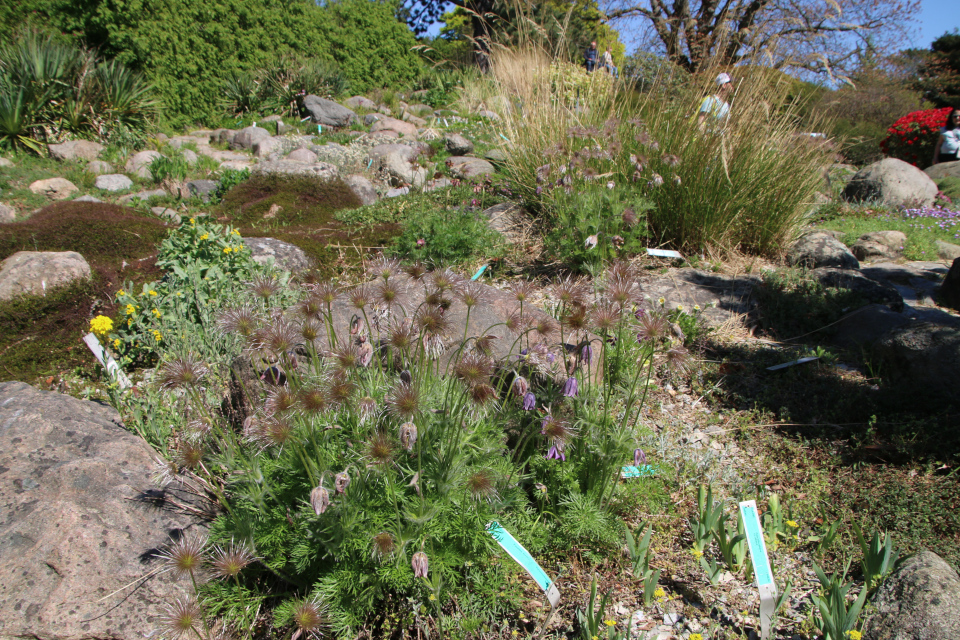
x: 366, y: 462
x: 744, y: 184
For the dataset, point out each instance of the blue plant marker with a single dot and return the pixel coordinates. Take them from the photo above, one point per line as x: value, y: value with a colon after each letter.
x: 320, y: 129
x: 479, y: 273
x: 505, y: 137
x: 637, y: 472
x: 525, y: 560
x: 761, y: 564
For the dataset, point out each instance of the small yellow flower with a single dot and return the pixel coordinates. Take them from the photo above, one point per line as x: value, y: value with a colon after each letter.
x: 661, y: 301
x: 131, y: 309
x: 695, y: 636
x: 129, y: 322
x: 659, y: 593
x: 680, y: 308
x: 235, y: 232
x: 193, y: 221
x: 514, y: 633
x: 156, y: 312
x: 101, y: 325
x: 116, y: 343
x: 227, y: 249
x: 594, y: 638
x: 696, y: 307
x: 152, y: 292
x: 791, y: 523
x: 432, y: 597
x: 697, y: 554
x: 121, y: 293
x: 854, y: 635
x: 205, y: 236
x: 157, y: 335
x: 609, y: 623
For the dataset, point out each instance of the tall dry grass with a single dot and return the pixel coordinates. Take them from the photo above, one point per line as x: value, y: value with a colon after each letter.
x: 747, y: 185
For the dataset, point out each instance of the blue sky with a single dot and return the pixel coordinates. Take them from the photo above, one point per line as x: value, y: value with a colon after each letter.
x: 936, y: 18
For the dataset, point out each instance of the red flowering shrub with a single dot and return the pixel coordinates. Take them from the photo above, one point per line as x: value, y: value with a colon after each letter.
x: 912, y: 137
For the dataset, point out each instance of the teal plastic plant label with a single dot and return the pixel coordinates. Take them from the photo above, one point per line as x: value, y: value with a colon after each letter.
x: 761, y: 564
x: 637, y: 472
x: 525, y: 560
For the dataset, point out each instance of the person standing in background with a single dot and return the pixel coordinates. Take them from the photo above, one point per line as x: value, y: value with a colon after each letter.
x: 608, y: 63
x: 715, y: 107
x: 948, y: 144
x: 590, y: 57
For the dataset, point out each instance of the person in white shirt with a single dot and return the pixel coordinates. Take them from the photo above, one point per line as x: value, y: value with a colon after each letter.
x: 716, y: 107
x: 608, y: 63
x: 948, y: 144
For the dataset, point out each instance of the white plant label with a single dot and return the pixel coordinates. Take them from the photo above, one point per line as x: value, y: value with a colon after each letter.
x: 761, y: 564
x: 107, y: 361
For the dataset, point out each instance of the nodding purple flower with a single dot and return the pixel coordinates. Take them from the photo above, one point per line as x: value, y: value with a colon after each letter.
x: 529, y: 401
x: 639, y: 457
x: 420, y: 564
x: 639, y: 313
x: 520, y: 386
x: 319, y: 499
x: 539, y: 190
x: 551, y: 358
x: 570, y: 387
x: 408, y: 435
x: 365, y: 353
x: 586, y: 353
x: 341, y: 481
x: 406, y: 377
x: 590, y: 242
x: 556, y: 454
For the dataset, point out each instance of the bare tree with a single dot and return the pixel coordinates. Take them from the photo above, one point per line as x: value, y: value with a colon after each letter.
x: 820, y: 36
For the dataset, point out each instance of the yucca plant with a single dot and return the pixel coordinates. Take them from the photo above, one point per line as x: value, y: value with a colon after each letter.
x: 124, y: 97
x: 16, y: 121
x: 240, y: 93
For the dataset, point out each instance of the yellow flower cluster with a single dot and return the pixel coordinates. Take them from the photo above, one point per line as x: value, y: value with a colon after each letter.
x: 205, y: 236
x: 121, y: 293
x: 152, y: 292
x: 116, y: 343
x: 131, y: 309
x: 659, y: 593
x: 695, y: 636
x: 156, y: 312
x: 101, y: 326
x: 791, y: 523
x: 609, y: 623
x: 157, y: 335
x: 854, y: 635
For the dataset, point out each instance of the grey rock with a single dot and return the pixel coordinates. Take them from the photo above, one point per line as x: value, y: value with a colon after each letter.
x: 439, y: 183
x: 202, y: 188
x: 189, y: 156
x: 87, y: 199
x: 142, y: 196
x: 384, y: 109
x: 113, y: 182
x: 720, y: 297
x: 866, y: 325
x: 879, y: 245
x: 820, y: 249
x: 80, y: 521
x: 7, y: 213
x: 405, y: 129
x: 414, y: 120
x: 422, y: 110
x: 283, y: 128
x: 320, y: 170
x: 5, y: 163
x: 457, y: 145
x: 944, y: 170
x: 164, y: 212
x: 923, y: 361
x: 362, y: 188
x: 396, y: 192
x: 54, y: 188
x: 283, y: 254
x: 273, y: 118
x: 327, y: 112
x: 949, y: 294
x: 947, y: 251
x: 398, y: 165
x: 247, y: 137
x: 139, y: 163
x: 99, y: 168
x: 36, y: 272
x: 893, y: 183
x: 495, y: 156
x: 75, y: 150
x: 360, y: 102
x: 488, y: 115
x: 468, y: 167
x: 381, y: 151
x: 915, y: 281
x: 917, y: 602
x: 302, y: 155
x: 370, y: 118
x: 852, y: 280
x: 224, y: 136
x: 267, y: 146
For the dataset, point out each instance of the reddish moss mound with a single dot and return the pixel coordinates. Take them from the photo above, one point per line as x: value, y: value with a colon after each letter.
x: 300, y: 210
x: 40, y: 335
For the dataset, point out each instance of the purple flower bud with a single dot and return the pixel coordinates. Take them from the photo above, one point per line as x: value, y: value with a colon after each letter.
x: 570, y: 387
x: 556, y: 454
x: 551, y: 358
x: 420, y: 564
x: 520, y: 386
x: 319, y: 499
x: 365, y: 353
x: 639, y: 457
x: 529, y: 401
x: 586, y: 353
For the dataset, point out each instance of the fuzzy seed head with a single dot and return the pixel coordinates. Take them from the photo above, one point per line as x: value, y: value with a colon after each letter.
x: 183, y: 617
x: 264, y: 286
x: 182, y: 373
x: 229, y: 561
x: 383, y: 545
x: 482, y: 485
x: 403, y: 401
x: 242, y: 321
x: 310, y: 618
x: 380, y: 449
x: 185, y: 557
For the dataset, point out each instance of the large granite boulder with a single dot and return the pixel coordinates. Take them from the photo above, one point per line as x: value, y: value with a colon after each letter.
x: 947, y: 250
x: 80, y: 522
x: 7, y: 213
x: 821, y: 249
x: 282, y: 254
x: 852, y: 280
x: 468, y: 167
x: 879, y: 245
x: 406, y: 129
x: 457, y: 145
x: 75, y: 150
x: 321, y: 170
x: 36, y: 272
x: 203, y: 189
x: 944, y: 170
x: 360, y: 102
x: 99, y: 167
x: 397, y: 162
x: 139, y: 163
x: 113, y: 182
x: 247, y: 137
x: 362, y: 188
x: 923, y: 360
x: 264, y: 148
x: 893, y: 183
x: 54, y: 188
x: 302, y: 155
x: 917, y: 602
x: 327, y: 112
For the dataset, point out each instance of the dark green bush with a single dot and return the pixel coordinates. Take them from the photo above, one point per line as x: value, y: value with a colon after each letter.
x: 445, y: 237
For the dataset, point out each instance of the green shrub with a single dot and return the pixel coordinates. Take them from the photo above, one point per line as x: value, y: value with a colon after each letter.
x: 444, y: 237
x: 171, y: 166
